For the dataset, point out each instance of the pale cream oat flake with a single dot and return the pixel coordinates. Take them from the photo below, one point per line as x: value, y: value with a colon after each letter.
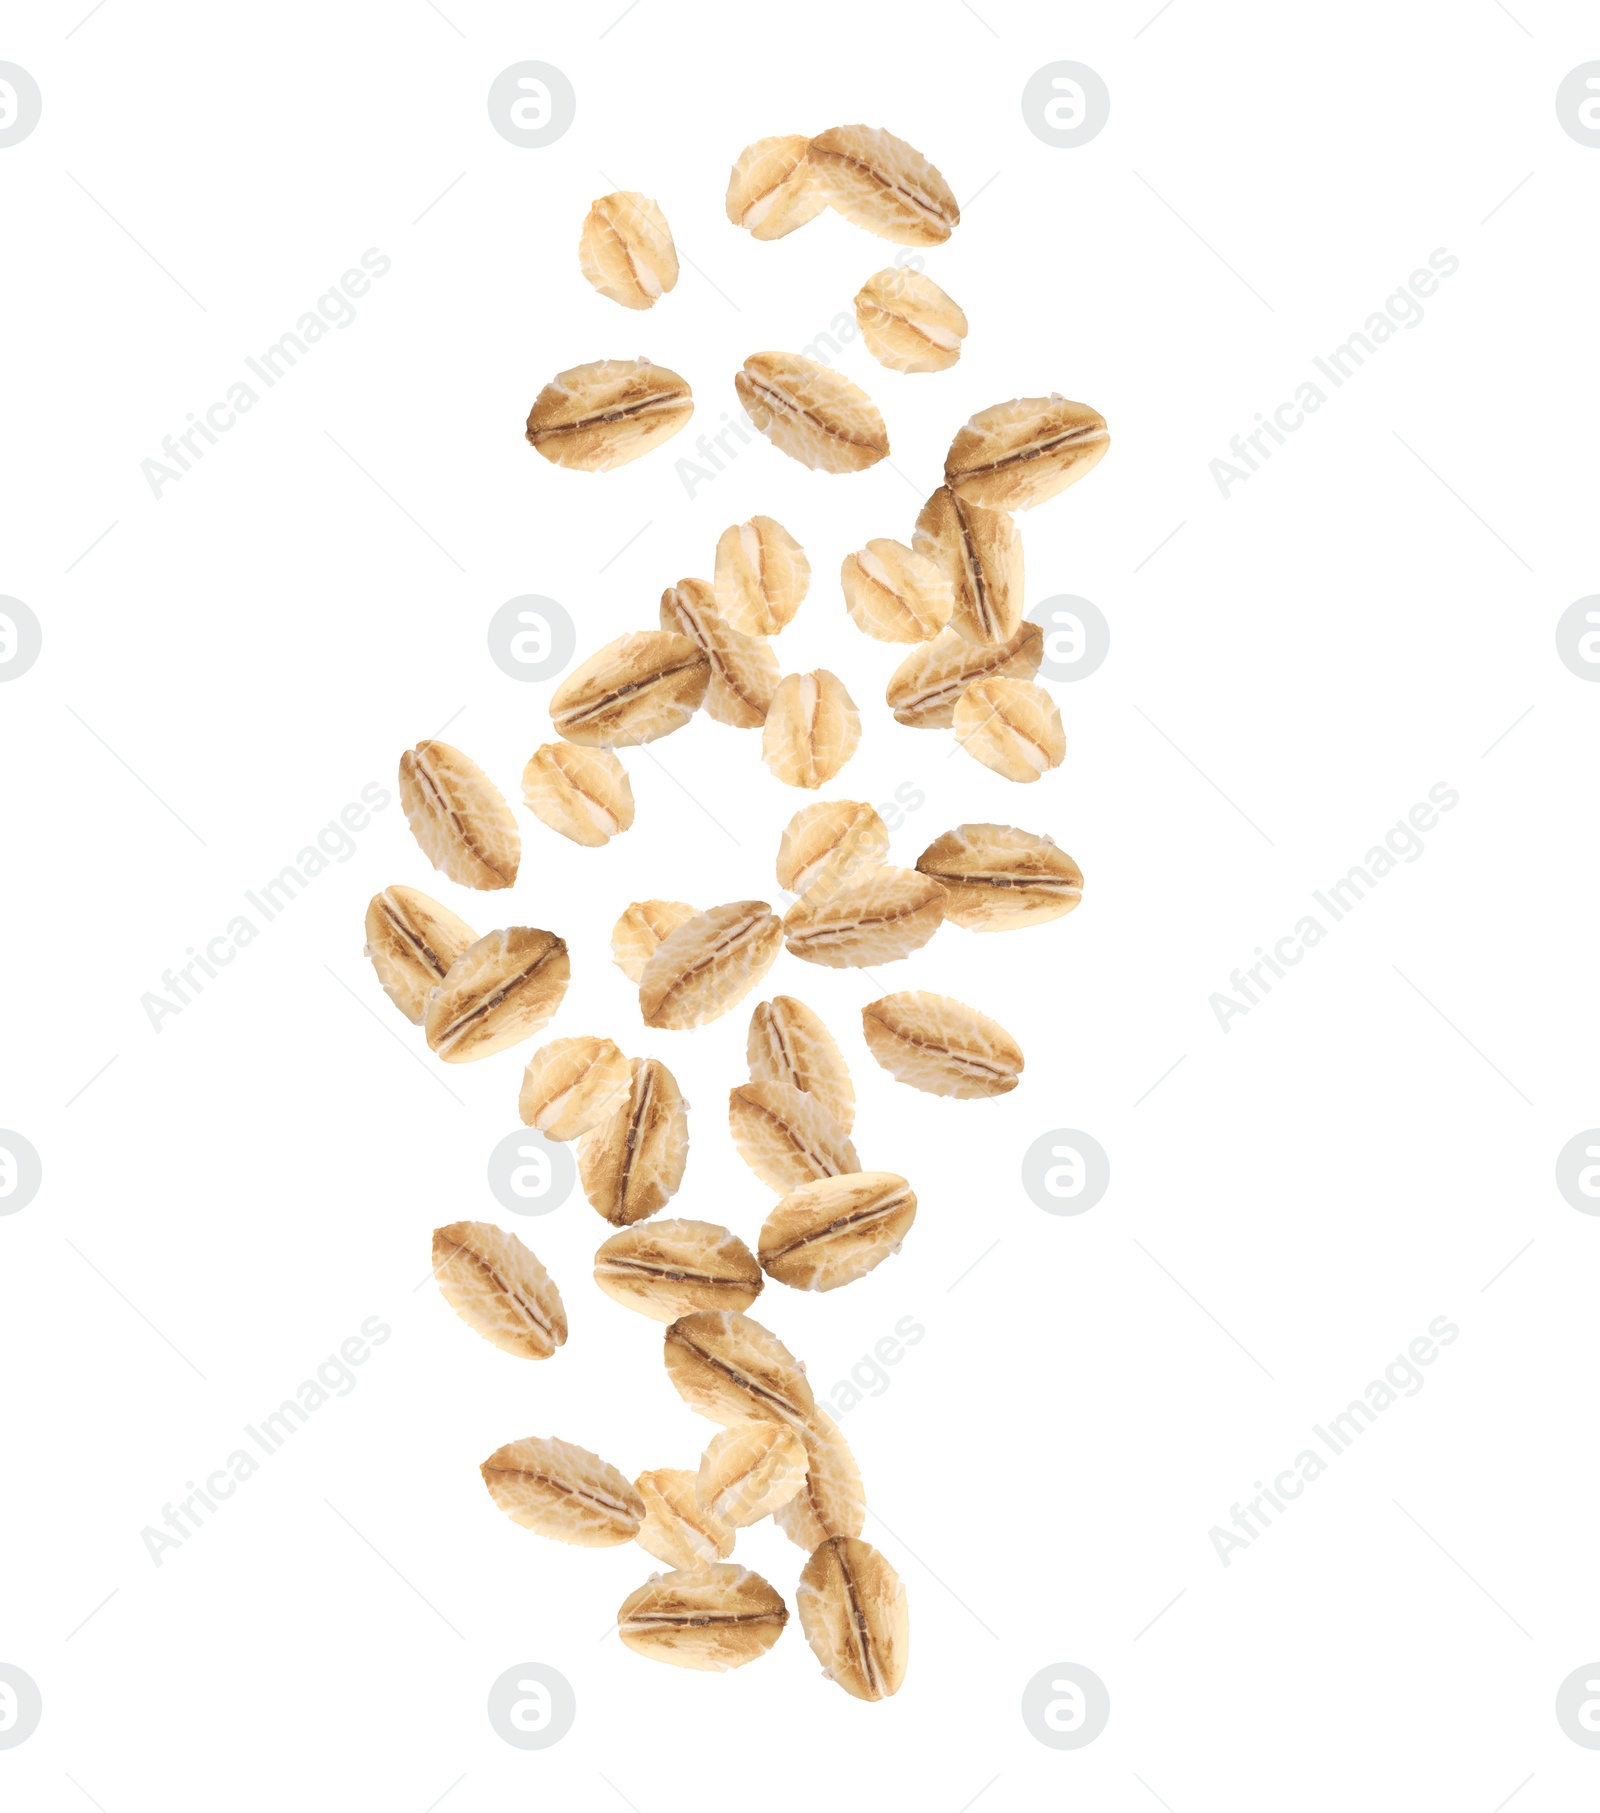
x: 894, y: 594
x: 712, y: 1617
x: 1014, y: 455
x: 941, y: 1046
x: 980, y: 553
x: 667, y: 1269
x: 594, y: 418
x: 499, y: 1288
x: 642, y: 686
x: 830, y: 842
x: 1012, y: 727
x: 787, y: 1137
x: 789, y: 1044
x: 879, y: 182
x: 732, y: 1370
x: 678, y: 1529
x: 908, y: 323
x: 411, y: 943
x: 812, y: 729
x: 571, y: 1085
x: 459, y: 817
x: 772, y: 189
x: 923, y: 689
x: 631, y: 1163
x: 997, y: 878
x: 761, y: 576
x: 709, y: 964
x: 558, y: 1489
x: 640, y: 928
x: 498, y: 992
x: 832, y: 1500
x: 744, y: 670
x: 852, y: 1609
x: 879, y: 917
x: 812, y: 413
x: 836, y: 1230
x: 749, y: 1470
x: 582, y: 793
x: 626, y: 249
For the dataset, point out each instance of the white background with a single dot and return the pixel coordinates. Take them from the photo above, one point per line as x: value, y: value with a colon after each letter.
x: 1295, y: 667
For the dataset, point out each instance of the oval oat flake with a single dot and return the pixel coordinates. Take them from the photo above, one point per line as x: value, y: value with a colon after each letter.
x: 941, y: 1046
x: 832, y: 1500
x: 640, y: 687
x: 853, y: 1610
x: 786, y: 1137
x: 789, y: 1044
x: 923, y: 690
x: 761, y: 576
x: 894, y: 594
x: 626, y: 249
x: 1015, y: 455
x: 812, y: 729
x: 411, y: 943
x: 884, y: 915
x: 1012, y: 727
x: 667, y: 1269
x: 631, y: 1163
x: 812, y: 413
x: 773, y: 188
x: 558, y: 1489
x: 997, y: 878
x: 749, y: 1470
x: 908, y: 323
x: 830, y: 841
x: 498, y: 992
x: 712, y: 1617
x: 744, y: 671
x: 571, y: 1085
x: 594, y: 418
x: 459, y: 816
x: 709, y: 964
x: 732, y: 1370
x: 498, y: 1287
x: 879, y: 182
x: 640, y: 928
x: 582, y: 793
x: 980, y: 553
x: 678, y: 1529
x: 836, y: 1230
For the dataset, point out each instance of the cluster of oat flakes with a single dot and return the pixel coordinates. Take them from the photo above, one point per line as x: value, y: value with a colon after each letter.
x: 957, y: 594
